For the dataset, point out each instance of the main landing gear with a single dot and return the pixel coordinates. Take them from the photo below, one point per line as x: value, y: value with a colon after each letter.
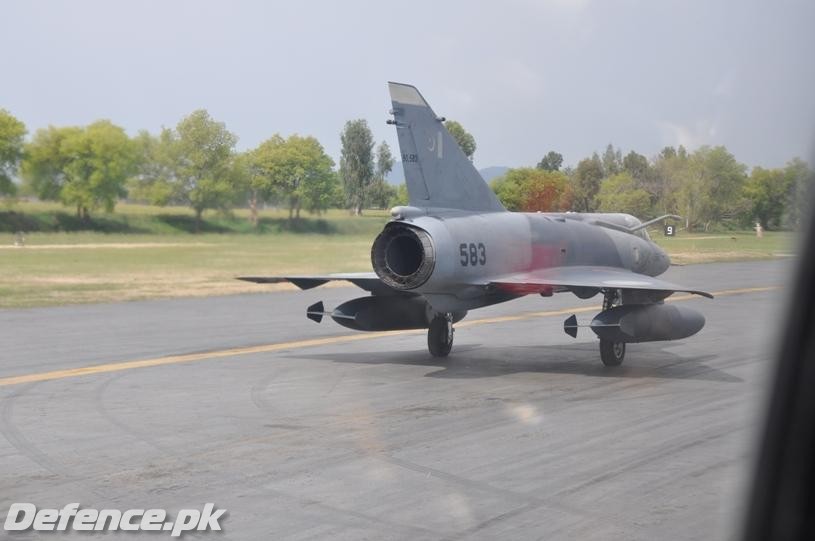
x: 612, y: 353
x: 440, y: 335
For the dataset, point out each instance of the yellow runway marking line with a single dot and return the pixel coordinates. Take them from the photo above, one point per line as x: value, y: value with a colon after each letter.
x: 299, y: 344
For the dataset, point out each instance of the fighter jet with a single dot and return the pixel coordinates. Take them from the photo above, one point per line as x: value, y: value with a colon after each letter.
x: 455, y: 248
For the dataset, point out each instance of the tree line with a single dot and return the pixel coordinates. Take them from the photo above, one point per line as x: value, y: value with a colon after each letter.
x: 707, y: 187
x: 196, y: 164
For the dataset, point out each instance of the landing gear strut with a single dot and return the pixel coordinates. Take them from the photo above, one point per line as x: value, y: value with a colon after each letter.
x: 612, y: 353
x: 440, y: 335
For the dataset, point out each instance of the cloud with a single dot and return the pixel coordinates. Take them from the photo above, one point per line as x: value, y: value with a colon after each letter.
x: 701, y: 132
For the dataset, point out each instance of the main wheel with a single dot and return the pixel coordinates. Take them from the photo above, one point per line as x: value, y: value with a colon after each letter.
x: 612, y: 353
x: 440, y: 336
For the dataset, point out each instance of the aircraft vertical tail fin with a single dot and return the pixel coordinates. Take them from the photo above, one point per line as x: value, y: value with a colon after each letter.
x: 437, y: 173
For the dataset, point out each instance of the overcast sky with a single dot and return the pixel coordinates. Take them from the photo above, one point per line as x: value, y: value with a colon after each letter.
x: 523, y: 76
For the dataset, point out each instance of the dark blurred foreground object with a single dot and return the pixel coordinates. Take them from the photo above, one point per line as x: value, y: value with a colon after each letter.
x: 782, y: 503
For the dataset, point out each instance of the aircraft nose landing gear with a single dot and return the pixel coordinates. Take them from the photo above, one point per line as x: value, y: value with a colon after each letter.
x: 440, y: 335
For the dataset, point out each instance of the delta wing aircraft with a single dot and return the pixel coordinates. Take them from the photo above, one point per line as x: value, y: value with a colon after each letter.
x: 455, y: 248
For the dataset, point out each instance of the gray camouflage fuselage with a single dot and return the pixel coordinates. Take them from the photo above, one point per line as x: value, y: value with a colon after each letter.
x: 516, y: 242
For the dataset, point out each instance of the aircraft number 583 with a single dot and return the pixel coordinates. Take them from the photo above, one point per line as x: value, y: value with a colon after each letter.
x: 472, y: 254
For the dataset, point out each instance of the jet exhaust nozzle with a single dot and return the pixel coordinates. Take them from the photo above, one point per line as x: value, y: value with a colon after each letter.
x: 647, y: 323
x: 403, y: 256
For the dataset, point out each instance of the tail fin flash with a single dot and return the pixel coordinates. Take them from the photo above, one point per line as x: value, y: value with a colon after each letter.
x: 437, y: 172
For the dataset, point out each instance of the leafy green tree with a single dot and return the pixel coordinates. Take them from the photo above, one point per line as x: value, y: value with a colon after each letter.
x: 669, y: 173
x: 724, y: 178
x: 43, y: 168
x: 586, y: 182
x: 401, y: 197
x: 464, y: 139
x: 101, y: 160
x: 356, y: 163
x: 533, y: 190
x: 314, y: 170
x: 766, y: 191
x: 380, y: 191
x: 155, y: 169
x: 637, y: 166
x: 712, y: 188
x: 612, y: 161
x: 295, y: 170
x: 619, y: 193
x: 12, y: 133
x: 202, y: 152
x: 264, y: 184
x: 193, y: 164
x: 551, y: 162
x: 83, y: 167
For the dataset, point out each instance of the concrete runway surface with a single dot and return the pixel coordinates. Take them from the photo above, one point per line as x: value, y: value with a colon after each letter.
x: 302, y: 433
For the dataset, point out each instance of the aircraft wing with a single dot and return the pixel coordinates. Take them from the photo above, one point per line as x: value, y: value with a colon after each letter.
x: 543, y: 280
x: 368, y: 281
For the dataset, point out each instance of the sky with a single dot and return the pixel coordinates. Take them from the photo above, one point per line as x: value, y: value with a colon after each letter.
x: 523, y: 76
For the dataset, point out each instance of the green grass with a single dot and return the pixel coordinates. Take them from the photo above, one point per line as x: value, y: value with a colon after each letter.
x: 730, y: 246
x: 92, y: 267
x: 149, y: 252
x: 132, y: 219
x: 145, y: 252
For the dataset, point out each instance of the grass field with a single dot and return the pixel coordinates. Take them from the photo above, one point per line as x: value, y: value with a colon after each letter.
x: 686, y: 248
x: 150, y: 255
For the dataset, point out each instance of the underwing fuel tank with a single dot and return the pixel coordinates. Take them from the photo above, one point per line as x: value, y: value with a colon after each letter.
x: 647, y: 323
x: 382, y: 313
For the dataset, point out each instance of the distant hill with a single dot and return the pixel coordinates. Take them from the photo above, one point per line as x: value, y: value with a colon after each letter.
x: 492, y: 172
x: 397, y: 176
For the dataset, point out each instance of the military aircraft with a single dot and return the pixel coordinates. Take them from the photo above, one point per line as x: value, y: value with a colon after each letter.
x: 455, y: 248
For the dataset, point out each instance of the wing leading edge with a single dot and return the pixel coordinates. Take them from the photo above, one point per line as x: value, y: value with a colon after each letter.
x: 544, y: 280
x: 368, y: 281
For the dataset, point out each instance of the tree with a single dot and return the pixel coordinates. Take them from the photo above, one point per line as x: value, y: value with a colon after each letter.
x: 401, y: 196
x: 724, y: 179
x: 263, y: 181
x: 711, y: 189
x: 637, y: 166
x: 202, y: 152
x: 533, y: 190
x: 12, y: 132
x: 380, y: 192
x: 551, y: 162
x: 766, y: 190
x: 311, y: 174
x: 612, y: 161
x: 43, y: 167
x: 356, y: 163
x: 619, y: 193
x: 464, y: 139
x: 154, y: 177
x: 295, y: 170
x: 586, y: 181
x: 101, y: 160
x: 669, y: 172
x: 83, y: 167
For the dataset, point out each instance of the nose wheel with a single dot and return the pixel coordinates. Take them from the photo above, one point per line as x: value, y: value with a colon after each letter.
x: 440, y: 335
